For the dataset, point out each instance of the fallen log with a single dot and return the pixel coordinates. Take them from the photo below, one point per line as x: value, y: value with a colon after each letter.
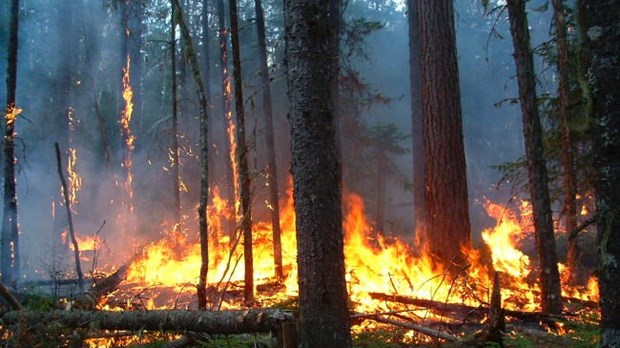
x: 13, y: 302
x: 221, y: 322
x: 90, y: 299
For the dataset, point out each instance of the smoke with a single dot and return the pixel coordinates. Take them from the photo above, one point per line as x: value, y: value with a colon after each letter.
x: 85, y: 39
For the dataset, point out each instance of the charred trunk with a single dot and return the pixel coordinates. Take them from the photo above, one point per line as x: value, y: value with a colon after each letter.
x: 9, y: 239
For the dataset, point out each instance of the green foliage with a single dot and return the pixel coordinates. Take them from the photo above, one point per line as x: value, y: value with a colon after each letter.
x: 239, y: 341
x: 37, y: 302
x: 378, y: 338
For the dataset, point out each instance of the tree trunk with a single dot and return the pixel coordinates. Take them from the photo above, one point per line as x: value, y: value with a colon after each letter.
x: 445, y: 179
x: 417, y: 123
x: 203, y: 223
x: 324, y: 319
x: 335, y: 23
x: 175, y: 120
x: 135, y: 13
x: 229, y: 181
x: 603, y: 34
x: 272, y: 170
x: 207, y: 78
x: 219, y: 322
x: 577, y: 273
x: 551, y: 301
x: 9, y: 239
x: 242, y: 160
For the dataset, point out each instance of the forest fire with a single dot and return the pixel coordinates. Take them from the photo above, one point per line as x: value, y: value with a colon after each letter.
x: 374, y: 263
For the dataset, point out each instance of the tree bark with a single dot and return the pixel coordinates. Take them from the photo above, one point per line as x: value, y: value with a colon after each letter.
x: 324, y: 319
x: 242, y: 160
x: 9, y: 239
x: 602, y: 36
x: 417, y: 124
x: 65, y: 192
x: 445, y: 179
x: 219, y: 322
x: 551, y: 300
x: 272, y: 170
x: 207, y: 78
x: 577, y: 273
x: 203, y: 223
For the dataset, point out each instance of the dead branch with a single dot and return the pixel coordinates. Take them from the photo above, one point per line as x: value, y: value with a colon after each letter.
x: 458, y: 308
x: 221, y: 322
x: 13, y: 302
x: 417, y: 328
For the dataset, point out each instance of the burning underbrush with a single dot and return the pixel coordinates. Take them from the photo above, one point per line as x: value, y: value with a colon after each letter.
x: 388, y: 282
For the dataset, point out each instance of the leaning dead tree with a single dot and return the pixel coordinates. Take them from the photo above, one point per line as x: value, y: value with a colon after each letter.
x: 65, y: 193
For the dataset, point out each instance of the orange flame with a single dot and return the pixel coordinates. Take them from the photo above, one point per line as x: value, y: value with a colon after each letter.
x: 128, y: 137
x: 374, y: 263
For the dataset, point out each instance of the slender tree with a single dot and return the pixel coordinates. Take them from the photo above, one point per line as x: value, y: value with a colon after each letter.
x: 537, y: 172
x: 324, y: 317
x: 445, y: 183
x: 568, y: 165
x: 203, y: 222
x: 417, y: 124
x: 9, y: 239
x: 242, y: 159
x: 226, y: 108
x: 272, y: 170
x: 207, y: 77
x: 600, y: 23
x: 174, y: 148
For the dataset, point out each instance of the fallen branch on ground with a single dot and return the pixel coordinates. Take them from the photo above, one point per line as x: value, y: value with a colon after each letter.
x: 222, y: 322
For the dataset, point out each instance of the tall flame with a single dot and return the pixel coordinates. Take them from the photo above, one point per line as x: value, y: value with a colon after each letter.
x: 128, y: 137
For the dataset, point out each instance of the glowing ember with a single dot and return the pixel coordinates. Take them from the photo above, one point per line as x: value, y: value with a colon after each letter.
x: 11, y: 114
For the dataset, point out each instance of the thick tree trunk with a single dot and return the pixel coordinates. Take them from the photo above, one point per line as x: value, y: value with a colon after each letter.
x: 417, y: 123
x: 176, y: 186
x: 219, y: 322
x: 335, y: 23
x: 603, y: 34
x: 9, y: 239
x: 445, y: 179
x: 203, y: 223
x: 577, y: 272
x: 272, y: 170
x: 551, y: 301
x: 242, y: 160
x: 324, y: 319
